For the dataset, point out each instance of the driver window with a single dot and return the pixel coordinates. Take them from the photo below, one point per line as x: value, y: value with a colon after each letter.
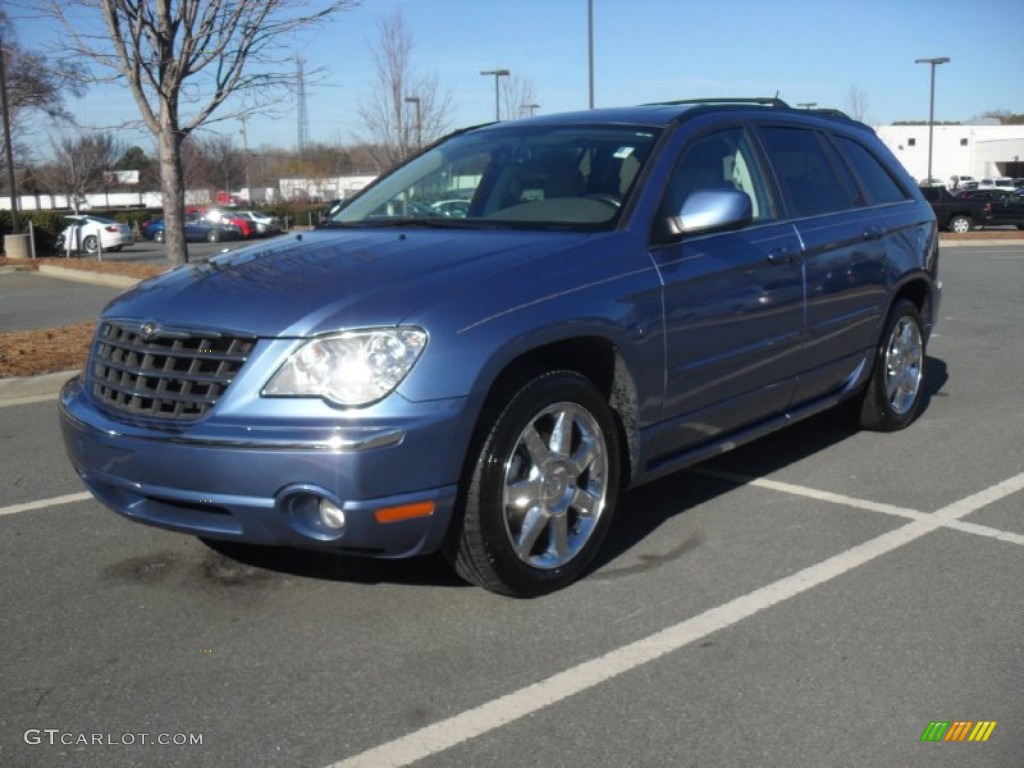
x: 720, y: 160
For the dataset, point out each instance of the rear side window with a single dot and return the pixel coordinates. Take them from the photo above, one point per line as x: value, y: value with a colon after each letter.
x: 803, y: 170
x: 878, y: 185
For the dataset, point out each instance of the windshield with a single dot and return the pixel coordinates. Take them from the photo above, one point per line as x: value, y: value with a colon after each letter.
x: 513, y: 175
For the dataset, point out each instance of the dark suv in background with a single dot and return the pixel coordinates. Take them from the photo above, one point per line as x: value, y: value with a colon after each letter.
x: 624, y: 293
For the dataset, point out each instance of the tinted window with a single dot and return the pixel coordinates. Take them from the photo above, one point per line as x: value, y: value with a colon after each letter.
x: 874, y: 178
x: 804, y: 172
x: 512, y: 175
x: 720, y: 160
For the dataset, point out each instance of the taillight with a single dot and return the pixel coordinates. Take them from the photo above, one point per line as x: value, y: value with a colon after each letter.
x: 112, y: 229
x: 988, y: 207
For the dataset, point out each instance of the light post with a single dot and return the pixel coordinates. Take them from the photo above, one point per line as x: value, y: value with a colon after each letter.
x: 531, y: 107
x: 497, y: 102
x: 419, y: 125
x: 590, y: 50
x: 931, y: 106
x: 807, y: 104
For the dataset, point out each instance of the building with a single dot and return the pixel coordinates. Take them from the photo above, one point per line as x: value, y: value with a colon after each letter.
x: 976, y: 150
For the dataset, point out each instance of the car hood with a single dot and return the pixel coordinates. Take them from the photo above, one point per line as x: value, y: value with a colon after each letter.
x: 327, y: 280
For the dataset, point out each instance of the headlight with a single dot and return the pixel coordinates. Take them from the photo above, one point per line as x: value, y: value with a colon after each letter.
x: 351, y: 368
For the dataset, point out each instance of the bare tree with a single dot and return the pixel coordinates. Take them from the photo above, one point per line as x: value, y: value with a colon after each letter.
x: 518, y: 97
x: 219, y: 49
x: 857, y: 103
x: 34, y: 83
x: 226, y: 160
x: 406, y: 110
x: 80, y: 164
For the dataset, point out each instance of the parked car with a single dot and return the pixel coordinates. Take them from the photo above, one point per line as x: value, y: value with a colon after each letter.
x: 263, y: 224
x: 89, y: 233
x: 221, y: 216
x: 961, y: 182
x: 1007, y: 208
x: 631, y: 291
x: 1003, y: 182
x: 196, y: 230
x: 956, y: 214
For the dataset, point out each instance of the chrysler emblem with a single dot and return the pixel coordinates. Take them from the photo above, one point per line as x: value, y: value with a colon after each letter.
x: 149, y: 330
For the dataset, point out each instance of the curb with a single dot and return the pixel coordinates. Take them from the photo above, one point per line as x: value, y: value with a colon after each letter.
x: 33, y: 389
x: 85, y: 276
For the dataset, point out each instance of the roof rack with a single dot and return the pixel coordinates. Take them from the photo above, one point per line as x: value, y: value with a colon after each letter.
x: 833, y: 112
x: 770, y: 101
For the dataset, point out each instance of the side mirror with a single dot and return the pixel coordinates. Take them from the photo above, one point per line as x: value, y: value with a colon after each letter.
x: 710, y: 210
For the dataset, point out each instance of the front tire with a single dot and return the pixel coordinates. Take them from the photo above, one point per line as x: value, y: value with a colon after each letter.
x: 159, y: 236
x: 213, y: 236
x: 960, y: 224
x: 542, y: 490
x: 893, y: 396
x: 91, y: 244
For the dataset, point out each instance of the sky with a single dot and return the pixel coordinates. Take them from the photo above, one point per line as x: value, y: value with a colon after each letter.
x: 644, y: 50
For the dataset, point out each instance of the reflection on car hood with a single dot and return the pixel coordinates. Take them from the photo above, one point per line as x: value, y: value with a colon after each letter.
x: 322, y: 281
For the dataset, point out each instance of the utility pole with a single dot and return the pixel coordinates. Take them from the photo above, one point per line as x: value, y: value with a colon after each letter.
x: 8, y: 149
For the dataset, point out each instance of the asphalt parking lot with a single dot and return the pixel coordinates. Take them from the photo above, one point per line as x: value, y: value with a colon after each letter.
x: 814, y: 599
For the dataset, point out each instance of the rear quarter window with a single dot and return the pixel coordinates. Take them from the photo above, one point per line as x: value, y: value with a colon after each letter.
x: 875, y: 180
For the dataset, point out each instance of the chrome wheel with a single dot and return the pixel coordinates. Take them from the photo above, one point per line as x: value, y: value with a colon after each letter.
x: 540, y: 494
x: 555, y: 485
x: 904, y: 359
x: 960, y: 224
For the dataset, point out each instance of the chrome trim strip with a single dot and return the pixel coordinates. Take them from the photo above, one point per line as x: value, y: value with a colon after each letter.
x: 351, y: 440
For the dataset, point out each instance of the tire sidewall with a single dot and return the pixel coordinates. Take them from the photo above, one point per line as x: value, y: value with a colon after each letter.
x: 485, y: 496
x: 878, y: 413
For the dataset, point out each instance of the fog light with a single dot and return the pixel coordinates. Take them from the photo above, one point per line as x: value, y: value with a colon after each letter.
x: 331, y: 515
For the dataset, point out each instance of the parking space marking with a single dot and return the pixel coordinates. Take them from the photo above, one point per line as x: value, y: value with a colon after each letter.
x: 472, y: 723
x: 28, y: 506
x: 944, y: 520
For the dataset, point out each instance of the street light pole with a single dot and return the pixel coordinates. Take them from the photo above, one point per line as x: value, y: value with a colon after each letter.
x: 807, y: 104
x: 419, y: 125
x: 590, y: 49
x: 931, y: 106
x: 531, y: 107
x: 497, y: 101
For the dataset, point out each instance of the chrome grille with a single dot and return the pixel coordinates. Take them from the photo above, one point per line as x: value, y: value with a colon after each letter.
x: 170, y: 374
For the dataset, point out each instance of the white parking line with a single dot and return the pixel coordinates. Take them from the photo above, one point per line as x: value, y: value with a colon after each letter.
x: 28, y: 506
x: 936, y: 520
x: 448, y: 733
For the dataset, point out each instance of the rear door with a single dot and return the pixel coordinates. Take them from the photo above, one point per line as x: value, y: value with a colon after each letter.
x: 843, y: 236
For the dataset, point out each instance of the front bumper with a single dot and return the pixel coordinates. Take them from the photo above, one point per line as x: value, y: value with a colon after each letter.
x: 253, y: 484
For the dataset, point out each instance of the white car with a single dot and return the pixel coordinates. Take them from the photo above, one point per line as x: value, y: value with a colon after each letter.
x: 264, y: 225
x: 89, y: 233
x: 1003, y: 182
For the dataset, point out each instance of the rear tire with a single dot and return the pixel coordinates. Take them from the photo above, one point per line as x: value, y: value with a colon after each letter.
x: 892, y: 398
x: 213, y: 236
x: 159, y: 236
x: 542, y: 490
x: 960, y: 224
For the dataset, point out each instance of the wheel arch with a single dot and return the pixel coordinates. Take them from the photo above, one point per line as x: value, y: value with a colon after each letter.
x: 595, y: 358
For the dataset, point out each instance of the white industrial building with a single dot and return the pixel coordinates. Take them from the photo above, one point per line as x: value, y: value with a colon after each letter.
x: 981, y: 151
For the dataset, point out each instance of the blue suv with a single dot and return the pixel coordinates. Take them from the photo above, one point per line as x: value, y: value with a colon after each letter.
x: 620, y: 293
